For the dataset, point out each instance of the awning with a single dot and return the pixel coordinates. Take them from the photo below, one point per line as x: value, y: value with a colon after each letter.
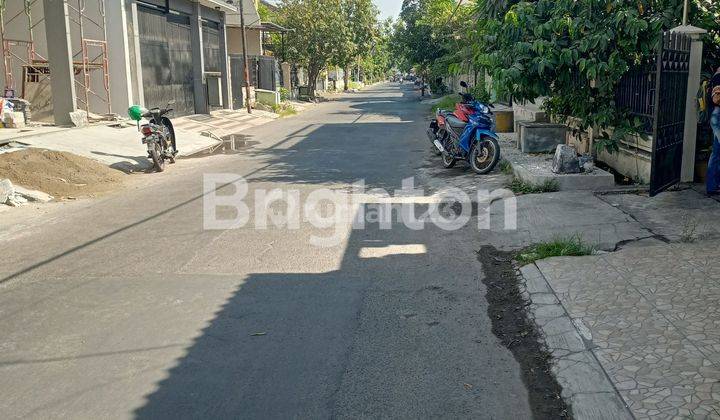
x: 270, y: 27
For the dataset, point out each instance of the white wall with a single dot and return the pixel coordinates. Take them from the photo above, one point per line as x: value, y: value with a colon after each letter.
x: 254, y: 41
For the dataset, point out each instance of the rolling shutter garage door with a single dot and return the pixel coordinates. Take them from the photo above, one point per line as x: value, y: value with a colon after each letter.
x: 213, y: 65
x: 166, y: 57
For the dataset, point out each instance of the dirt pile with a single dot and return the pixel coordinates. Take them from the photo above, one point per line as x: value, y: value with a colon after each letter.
x: 60, y: 174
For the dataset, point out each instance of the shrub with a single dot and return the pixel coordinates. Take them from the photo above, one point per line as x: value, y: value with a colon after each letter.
x: 506, y: 167
x: 446, y: 102
x: 284, y: 109
x: 518, y: 186
x: 559, y: 247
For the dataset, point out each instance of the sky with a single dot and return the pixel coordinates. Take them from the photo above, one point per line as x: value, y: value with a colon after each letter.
x: 389, y: 8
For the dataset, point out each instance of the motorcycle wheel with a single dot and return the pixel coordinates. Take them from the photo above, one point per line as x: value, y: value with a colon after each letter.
x: 170, y: 156
x: 157, y: 158
x: 174, y: 147
x: 484, y: 156
x: 448, y: 161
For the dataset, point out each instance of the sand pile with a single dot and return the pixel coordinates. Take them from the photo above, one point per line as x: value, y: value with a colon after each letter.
x: 60, y: 174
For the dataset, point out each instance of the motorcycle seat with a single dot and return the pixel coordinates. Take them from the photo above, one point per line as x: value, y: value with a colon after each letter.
x: 455, y: 122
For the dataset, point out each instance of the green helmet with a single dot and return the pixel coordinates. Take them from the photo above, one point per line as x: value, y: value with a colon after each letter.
x: 136, y: 112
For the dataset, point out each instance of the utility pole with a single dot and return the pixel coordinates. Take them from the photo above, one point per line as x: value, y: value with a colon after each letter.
x: 245, y: 56
x: 685, y: 13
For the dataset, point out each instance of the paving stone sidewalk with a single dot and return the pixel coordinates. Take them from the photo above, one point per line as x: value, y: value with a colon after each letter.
x: 224, y: 122
x: 650, y: 316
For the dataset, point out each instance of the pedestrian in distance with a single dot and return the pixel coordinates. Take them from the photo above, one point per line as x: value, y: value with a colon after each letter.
x: 713, y: 101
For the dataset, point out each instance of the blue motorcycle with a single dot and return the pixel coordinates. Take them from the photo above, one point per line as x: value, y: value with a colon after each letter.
x: 468, y: 134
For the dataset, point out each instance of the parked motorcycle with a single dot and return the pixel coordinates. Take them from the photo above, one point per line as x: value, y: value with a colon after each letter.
x: 158, y: 134
x: 467, y: 133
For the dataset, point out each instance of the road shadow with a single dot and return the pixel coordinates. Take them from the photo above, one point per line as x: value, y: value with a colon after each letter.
x: 133, y: 164
x: 330, y: 154
x: 391, y: 333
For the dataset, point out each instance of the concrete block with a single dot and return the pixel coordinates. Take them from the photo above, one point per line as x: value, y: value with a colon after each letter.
x: 267, y: 97
x: 504, y: 121
x: 21, y: 105
x: 541, y: 137
x: 581, y: 373
x: 16, y: 200
x: 530, y: 112
x: 519, y: 122
x: 79, y: 118
x: 14, y: 120
x: 598, y: 180
x: 34, y: 196
x: 6, y: 190
x: 534, y: 280
x: 566, y: 160
x: 596, y: 406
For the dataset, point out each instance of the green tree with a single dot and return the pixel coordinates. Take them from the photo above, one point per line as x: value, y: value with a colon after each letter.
x: 435, y: 37
x: 378, y: 62
x: 358, y: 33
x: 575, y: 52
x: 267, y: 13
x: 318, y: 31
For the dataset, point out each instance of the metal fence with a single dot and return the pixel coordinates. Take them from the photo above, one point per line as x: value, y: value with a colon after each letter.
x: 655, y: 91
x: 268, y: 73
x: 264, y: 71
x: 636, y: 93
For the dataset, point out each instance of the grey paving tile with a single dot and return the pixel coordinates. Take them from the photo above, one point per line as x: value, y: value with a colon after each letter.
x: 654, y: 321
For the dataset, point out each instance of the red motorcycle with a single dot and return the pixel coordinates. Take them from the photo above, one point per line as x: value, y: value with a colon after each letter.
x: 467, y: 133
x: 462, y: 112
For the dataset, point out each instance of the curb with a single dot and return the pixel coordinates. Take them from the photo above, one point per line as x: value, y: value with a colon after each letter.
x: 586, y: 386
x: 200, y: 149
x: 599, y: 180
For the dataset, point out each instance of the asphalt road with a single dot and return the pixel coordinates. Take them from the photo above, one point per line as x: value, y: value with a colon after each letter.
x: 126, y: 306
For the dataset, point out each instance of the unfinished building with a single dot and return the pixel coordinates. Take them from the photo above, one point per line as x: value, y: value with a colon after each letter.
x: 100, y: 56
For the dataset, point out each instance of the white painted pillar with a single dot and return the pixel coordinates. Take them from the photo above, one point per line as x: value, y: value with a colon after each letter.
x: 121, y: 92
x: 286, y: 72
x: 62, y: 82
x: 139, y: 95
x: 691, y: 120
x: 226, y: 77
x: 196, y: 38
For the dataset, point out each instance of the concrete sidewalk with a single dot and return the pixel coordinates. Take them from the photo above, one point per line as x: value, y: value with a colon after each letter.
x: 223, y: 122
x: 652, y: 321
x: 643, y: 321
x: 16, y: 134
x: 117, y: 146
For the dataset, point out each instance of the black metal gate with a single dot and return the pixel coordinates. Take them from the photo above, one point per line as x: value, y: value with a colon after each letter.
x: 166, y: 58
x: 672, y: 67
x: 264, y: 74
x: 211, y: 46
x: 237, y: 77
x: 267, y: 72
